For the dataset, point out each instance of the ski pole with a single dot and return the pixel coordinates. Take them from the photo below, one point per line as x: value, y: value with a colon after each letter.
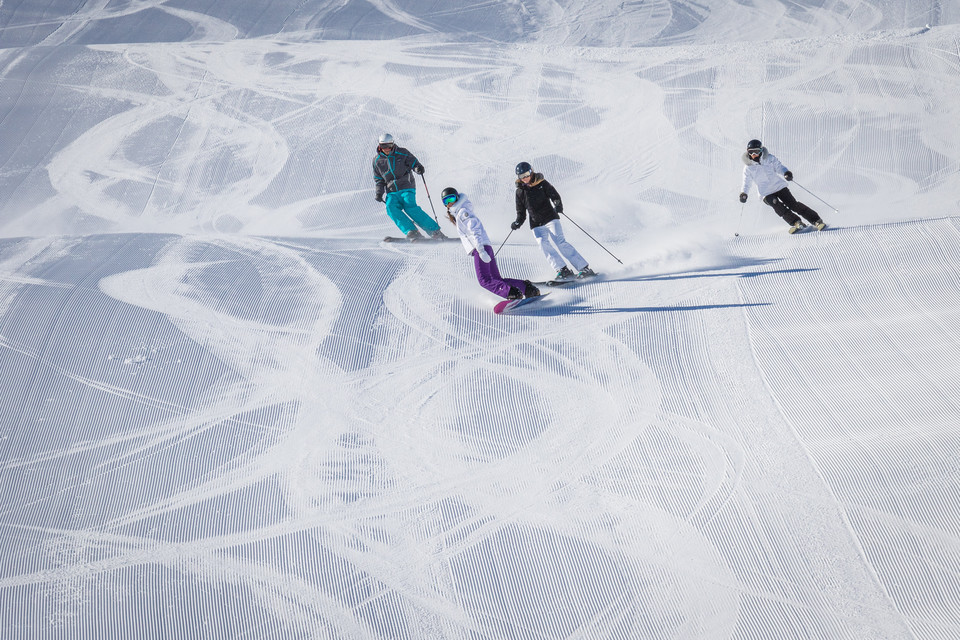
x: 592, y: 238
x: 429, y: 198
x: 739, y: 220
x: 503, y: 243
x: 835, y: 210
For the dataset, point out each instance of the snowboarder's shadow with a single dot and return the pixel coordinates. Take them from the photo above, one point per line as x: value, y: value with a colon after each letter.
x: 582, y: 309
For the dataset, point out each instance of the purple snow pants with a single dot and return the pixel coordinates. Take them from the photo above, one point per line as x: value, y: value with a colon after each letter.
x: 488, y: 275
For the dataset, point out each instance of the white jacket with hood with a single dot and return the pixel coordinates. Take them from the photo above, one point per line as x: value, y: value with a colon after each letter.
x: 767, y: 174
x: 472, y: 234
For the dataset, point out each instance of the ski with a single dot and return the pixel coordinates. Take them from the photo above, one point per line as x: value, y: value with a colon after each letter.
x: 800, y: 227
x: 424, y: 240
x: 564, y: 282
x: 809, y: 228
x: 508, y: 305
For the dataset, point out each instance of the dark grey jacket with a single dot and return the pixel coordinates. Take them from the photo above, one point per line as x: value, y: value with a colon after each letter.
x: 394, y: 172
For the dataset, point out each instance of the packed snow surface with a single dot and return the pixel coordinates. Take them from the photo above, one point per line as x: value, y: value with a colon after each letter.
x: 227, y: 410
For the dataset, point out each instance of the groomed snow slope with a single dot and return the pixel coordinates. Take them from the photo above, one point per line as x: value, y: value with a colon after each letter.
x: 227, y: 411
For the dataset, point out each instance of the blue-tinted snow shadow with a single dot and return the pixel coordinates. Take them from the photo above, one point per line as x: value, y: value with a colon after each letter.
x: 583, y: 309
x: 716, y: 272
x: 732, y: 271
x: 699, y: 274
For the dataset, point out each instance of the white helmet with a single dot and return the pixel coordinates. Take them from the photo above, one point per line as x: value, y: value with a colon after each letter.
x: 386, y: 138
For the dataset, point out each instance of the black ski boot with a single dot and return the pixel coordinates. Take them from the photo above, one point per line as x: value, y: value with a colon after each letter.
x: 514, y: 294
x: 564, y: 274
x: 530, y: 291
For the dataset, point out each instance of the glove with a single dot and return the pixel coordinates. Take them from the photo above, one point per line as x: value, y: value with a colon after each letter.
x: 516, y: 224
x: 743, y: 197
x: 788, y: 176
x: 378, y: 197
x: 483, y: 254
x: 418, y: 169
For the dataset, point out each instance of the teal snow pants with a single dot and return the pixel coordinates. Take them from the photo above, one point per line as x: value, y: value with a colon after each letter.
x: 403, y: 210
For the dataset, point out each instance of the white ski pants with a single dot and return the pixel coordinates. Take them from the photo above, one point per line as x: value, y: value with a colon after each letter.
x: 556, y: 248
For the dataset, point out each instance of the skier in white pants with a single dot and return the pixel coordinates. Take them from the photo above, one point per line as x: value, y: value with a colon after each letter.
x: 538, y: 197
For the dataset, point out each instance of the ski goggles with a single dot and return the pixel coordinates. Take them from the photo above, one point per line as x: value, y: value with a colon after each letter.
x: 754, y: 152
x: 386, y: 146
x: 450, y: 199
x: 525, y: 174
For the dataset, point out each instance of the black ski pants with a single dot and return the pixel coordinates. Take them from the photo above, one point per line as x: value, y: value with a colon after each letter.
x: 788, y: 207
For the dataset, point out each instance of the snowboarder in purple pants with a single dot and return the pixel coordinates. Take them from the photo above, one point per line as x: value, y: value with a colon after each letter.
x: 475, y: 241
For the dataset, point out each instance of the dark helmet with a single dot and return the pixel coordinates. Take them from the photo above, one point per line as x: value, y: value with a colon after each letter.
x: 524, y: 167
x: 448, y: 196
x: 754, y: 144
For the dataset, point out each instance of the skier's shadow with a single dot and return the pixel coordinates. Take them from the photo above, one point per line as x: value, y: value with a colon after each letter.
x: 719, y: 272
x: 580, y: 309
x: 730, y: 274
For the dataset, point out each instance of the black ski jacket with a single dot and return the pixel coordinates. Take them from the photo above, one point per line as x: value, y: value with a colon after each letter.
x: 540, y: 199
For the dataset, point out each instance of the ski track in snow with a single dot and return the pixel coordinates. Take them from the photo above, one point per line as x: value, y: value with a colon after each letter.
x: 893, y: 368
x: 618, y: 490
x: 247, y: 120
x: 229, y: 413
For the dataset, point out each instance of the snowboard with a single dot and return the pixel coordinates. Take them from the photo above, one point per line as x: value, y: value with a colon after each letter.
x: 508, y: 305
x: 424, y: 240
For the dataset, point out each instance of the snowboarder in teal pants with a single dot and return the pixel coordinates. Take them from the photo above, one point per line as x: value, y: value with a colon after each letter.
x: 393, y: 170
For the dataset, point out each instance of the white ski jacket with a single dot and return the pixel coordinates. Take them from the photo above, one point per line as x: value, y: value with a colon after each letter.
x: 472, y: 234
x: 767, y: 174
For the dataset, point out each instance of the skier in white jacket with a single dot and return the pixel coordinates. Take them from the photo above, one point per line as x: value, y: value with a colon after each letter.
x: 477, y: 244
x: 764, y: 170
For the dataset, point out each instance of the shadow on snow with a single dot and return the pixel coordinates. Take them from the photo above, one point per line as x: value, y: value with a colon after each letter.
x: 572, y: 309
